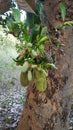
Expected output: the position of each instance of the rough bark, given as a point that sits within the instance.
(50, 110)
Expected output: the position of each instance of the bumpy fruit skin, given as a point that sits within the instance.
(24, 79)
(40, 81)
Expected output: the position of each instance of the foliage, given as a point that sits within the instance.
(67, 24)
(32, 56)
(63, 16)
(37, 17)
(63, 10)
(31, 49)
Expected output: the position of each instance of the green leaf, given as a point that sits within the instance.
(51, 65)
(24, 67)
(68, 23)
(26, 37)
(63, 10)
(42, 40)
(41, 48)
(34, 33)
(16, 14)
(60, 44)
(29, 75)
(44, 31)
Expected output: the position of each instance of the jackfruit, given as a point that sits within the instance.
(40, 80)
(24, 79)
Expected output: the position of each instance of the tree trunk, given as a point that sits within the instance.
(50, 110)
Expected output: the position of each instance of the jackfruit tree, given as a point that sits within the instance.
(45, 54)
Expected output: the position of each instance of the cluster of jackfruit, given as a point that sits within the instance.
(39, 77)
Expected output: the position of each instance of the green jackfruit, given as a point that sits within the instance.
(24, 79)
(40, 80)
(41, 84)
